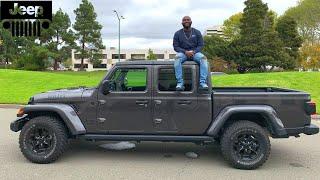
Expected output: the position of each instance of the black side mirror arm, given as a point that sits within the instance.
(105, 87)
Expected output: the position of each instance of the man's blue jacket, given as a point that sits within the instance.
(181, 43)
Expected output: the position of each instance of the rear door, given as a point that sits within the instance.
(175, 112)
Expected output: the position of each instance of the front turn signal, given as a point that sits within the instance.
(20, 112)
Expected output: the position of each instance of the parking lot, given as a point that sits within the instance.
(293, 158)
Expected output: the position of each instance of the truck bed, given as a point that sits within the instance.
(289, 104)
(252, 89)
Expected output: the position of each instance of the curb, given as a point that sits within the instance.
(316, 117)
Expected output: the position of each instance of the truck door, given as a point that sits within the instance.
(175, 112)
(127, 108)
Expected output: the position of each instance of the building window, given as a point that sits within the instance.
(105, 56)
(77, 56)
(160, 56)
(79, 65)
(138, 56)
(172, 56)
(100, 66)
(167, 80)
(115, 56)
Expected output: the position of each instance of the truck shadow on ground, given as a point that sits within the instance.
(145, 151)
(158, 152)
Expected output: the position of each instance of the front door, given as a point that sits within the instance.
(175, 112)
(127, 108)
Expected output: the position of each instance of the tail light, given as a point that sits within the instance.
(311, 108)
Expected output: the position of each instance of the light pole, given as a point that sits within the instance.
(119, 18)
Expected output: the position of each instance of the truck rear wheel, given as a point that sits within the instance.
(43, 139)
(245, 145)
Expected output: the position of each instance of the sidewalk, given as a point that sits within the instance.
(316, 117)
(11, 106)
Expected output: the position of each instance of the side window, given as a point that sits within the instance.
(167, 79)
(129, 79)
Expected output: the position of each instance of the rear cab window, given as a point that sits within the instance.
(167, 82)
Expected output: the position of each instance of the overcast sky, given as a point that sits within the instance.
(152, 23)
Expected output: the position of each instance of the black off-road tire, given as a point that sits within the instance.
(238, 136)
(58, 138)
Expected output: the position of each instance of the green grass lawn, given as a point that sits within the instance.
(17, 86)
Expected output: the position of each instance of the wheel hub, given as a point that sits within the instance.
(40, 140)
(246, 146)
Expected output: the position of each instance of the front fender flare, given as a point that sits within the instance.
(66, 112)
(267, 111)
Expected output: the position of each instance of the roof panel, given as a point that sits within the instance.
(149, 62)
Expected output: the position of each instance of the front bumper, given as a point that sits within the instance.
(17, 124)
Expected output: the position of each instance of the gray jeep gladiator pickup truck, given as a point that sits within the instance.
(137, 101)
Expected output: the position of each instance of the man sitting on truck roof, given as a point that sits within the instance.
(188, 43)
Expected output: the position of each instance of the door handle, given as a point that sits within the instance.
(184, 102)
(101, 101)
(157, 120)
(158, 102)
(142, 102)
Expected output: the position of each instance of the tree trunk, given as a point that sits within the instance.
(6, 63)
(82, 59)
(55, 65)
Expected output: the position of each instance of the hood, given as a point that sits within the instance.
(61, 96)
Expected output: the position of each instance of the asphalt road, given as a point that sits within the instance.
(293, 158)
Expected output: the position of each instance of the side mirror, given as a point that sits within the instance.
(105, 87)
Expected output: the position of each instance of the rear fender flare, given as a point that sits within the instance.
(267, 111)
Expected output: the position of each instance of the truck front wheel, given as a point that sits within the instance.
(43, 139)
(245, 145)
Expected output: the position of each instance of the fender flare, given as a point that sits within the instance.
(66, 113)
(267, 111)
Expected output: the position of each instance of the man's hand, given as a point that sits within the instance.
(189, 54)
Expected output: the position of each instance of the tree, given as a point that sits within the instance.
(34, 59)
(59, 38)
(287, 29)
(218, 53)
(8, 46)
(307, 16)
(87, 32)
(258, 45)
(310, 56)
(151, 55)
(214, 46)
(231, 26)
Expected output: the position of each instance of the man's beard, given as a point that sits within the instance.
(186, 26)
